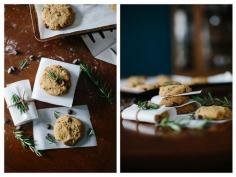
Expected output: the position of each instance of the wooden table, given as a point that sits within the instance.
(147, 148)
(102, 158)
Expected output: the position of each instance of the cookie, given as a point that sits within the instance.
(171, 90)
(113, 7)
(171, 82)
(68, 130)
(57, 16)
(174, 100)
(213, 113)
(55, 80)
(186, 109)
(198, 80)
(133, 81)
(147, 86)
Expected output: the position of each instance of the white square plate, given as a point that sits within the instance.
(63, 100)
(46, 116)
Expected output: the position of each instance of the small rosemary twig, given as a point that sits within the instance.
(147, 105)
(26, 142)
(90, 132)
(20, 104)
(55, 77)
(167, 123)
(51, 139)
(209, 100)
(56, 114)
(103, 88)
(23, 63)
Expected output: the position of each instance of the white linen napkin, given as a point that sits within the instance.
(20, 88)
(135, 113)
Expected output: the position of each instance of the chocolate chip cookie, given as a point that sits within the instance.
(213, 113)
(57, 16)
(171, 90)
(68, 130)
(55, 80)
(174, 100)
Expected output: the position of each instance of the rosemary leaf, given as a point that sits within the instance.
(90, 132)
(209, 100)
(20, 104)
(167, 123)
(104, 89)
(26, 142)
(147, 105)
(51, 139)
(23, 63)
(55, 77)
(56, 114)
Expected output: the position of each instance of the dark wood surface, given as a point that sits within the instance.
(207, 150)
(19, 32)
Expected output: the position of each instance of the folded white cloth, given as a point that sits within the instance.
(22, 89)
(135, 113)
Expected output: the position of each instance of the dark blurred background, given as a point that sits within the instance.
(176, 39)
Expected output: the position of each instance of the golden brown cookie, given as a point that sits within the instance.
(68, 130)
(213, 113)
(198, 80)
(57, 16)
(186, 108)
(55, 80)
(133, 81)
(113, 7)
(171, 90)
(147, 86)
(174, 100)
(161, 79)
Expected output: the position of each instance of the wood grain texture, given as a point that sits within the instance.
(19, 32)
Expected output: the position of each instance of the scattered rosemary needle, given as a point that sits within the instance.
(209, 100)
(23, 63)
(55, 77)
(104, 89)
(20, 104)
(147, 105)
(51, 139)
(56, 114)
(167, 123)
(27, 142)
(90, 132)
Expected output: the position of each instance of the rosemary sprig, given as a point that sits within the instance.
(147, 105)
(56, 114)
(51, 139)
(180, 122)
(27, 142)
(167, 123)
(23, 63)
(20, 104)
(55, 77)
(104, 89)
(90, 132)
(209, 100)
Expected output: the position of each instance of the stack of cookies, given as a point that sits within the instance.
(174, 96)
